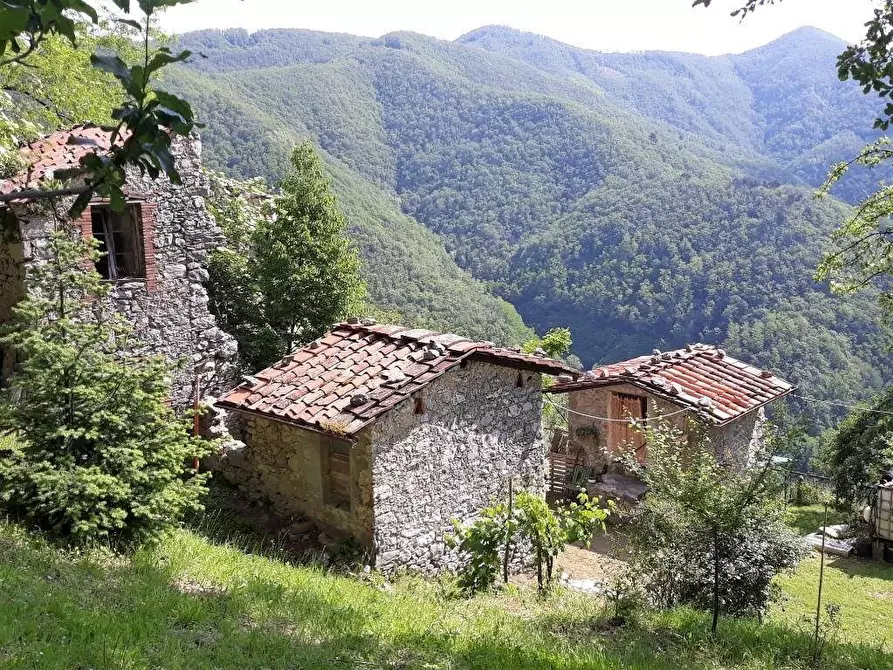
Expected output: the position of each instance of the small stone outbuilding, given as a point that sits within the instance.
(155, 253)
(699, 389)
(386, 434)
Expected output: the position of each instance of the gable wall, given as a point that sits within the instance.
(170, 309)
(478, 428)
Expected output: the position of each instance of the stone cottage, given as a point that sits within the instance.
(700, 389)
(155, 253)
(386, 433)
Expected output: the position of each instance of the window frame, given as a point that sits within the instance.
(135, 222)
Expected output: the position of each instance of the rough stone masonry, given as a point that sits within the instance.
(169, 307)
(478, 428)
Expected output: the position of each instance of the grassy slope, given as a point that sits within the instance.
(191, 604)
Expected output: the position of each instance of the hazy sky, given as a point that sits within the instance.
(615, 25)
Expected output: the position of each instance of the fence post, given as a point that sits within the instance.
(508, 538)
(818, 607)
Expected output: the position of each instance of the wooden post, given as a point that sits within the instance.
(508, 540)
(818, 606)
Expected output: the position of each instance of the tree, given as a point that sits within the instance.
(144, 121)
(289, 271)
(861, 449)
(97, 452)
(708, 536)
(556, 343)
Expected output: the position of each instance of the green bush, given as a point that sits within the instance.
(487, 544)
(97, 452)
(708, 536)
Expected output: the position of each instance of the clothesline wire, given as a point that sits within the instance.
(688, 409)
(602, 418)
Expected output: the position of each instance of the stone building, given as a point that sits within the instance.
(155, 253)
(385, 434)
(699, 389)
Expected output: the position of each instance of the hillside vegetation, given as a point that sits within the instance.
(644, 200)
(189, 603)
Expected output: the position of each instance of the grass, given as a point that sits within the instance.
(808, 518)
(191, 603)
(862, 588)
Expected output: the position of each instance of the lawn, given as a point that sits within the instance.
(191, 603)
(808, 518)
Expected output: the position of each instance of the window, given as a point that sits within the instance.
(120, 238)
(336, 472)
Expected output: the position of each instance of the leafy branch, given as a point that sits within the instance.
(147, 119)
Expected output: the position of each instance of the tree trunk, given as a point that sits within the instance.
(539, 569)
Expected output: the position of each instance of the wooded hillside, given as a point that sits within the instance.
(644, 199)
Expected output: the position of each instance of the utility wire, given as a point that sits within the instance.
(689, 409)
(837, 404)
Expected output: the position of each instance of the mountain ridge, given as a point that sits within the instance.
(640, 215)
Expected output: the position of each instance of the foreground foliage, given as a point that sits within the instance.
(146, 117)
(98, 453)
(186, 603)
(708, 535)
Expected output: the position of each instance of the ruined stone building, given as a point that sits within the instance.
(700, 389)
(155, 253)
(385, 434)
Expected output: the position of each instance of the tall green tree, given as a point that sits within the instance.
(289, 270)
(861, 449)
(97, 453)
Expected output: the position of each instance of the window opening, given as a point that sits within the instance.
(120, 239)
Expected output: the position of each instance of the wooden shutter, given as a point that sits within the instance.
(622, 436)
(337, 473)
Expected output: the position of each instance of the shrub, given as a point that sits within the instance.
(708, 536)
(480, 544)
(98, 453)
(528, 521)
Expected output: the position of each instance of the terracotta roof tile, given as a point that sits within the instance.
(314, 386)
(62, 150)
(687, 376)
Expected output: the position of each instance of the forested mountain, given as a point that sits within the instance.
(642, 199)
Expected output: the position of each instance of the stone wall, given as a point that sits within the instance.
(735, 443)
(593, 436)
(285, 465)
(169, 309)
(478, 428)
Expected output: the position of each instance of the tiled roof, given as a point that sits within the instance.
(57, 151)
(718, 387)
(346, 379)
